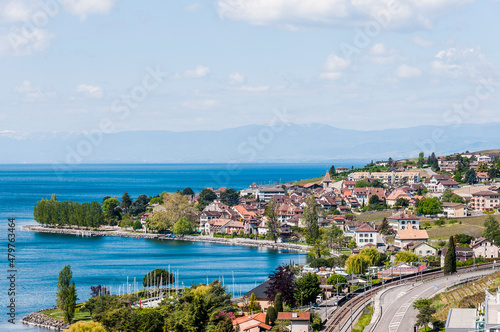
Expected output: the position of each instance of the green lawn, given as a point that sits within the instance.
(470, 225)
(364, 320)
(57, 314)
(313, 180)
(373, 216)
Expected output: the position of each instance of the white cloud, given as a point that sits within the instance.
(334, 67)
(405, 71)
(254, 88)
(198, 72)
(338, 12)
(380, 54)
(14, 11)
(236, 78)
(419, 41)
(455, 63)
(20, 41)
(193, 7)
(90, 90)
(203, 104)
(82, 8)
(31, 93)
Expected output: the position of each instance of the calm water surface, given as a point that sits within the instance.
(108, 260)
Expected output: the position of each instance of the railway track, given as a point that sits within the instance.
(347, 306)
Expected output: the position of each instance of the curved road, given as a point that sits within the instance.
(397, 303)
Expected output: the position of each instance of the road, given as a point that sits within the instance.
(397, 303)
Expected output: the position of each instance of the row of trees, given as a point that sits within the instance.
(53, 212)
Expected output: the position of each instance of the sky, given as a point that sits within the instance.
(77, 65)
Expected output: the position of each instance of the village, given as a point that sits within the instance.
(404, 211)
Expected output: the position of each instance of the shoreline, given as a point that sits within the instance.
(40, 320)
(152, 236)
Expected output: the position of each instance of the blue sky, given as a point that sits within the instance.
(67, 65)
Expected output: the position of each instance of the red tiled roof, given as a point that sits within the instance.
(365, 228)
(302, 316)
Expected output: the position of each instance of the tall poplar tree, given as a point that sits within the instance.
(311, 220)
(450, 259)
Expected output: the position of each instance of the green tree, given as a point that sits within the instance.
(137, 225)
(457, 199)
(157, 277)
(307, 288)
(401, 202)
(310, 217)
(374, 200)
(425, 313)
(126, 200)
(139, 206)
(492, 229)
(336, 279)
(183, 226)
(187, 191)
(176, 206)
(278, 303)
(332, 171)
(230, 197)
(420, 161)
(334, 238)
(450, 258)
(470, 176)
(352, 245)
(271, 316)
(372, 255)
(462, 238)
(430, 206)
(254, 304)
(205, 197)
(356, 264)
(273, 225)
(406, 256)
(384, 227)
(66, 294)
(447, 194)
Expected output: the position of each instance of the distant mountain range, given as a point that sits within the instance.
(282, 143)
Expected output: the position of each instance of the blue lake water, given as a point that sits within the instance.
(108, 260)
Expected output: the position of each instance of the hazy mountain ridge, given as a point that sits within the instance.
(253, 143)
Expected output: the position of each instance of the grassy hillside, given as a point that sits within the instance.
(471, 225)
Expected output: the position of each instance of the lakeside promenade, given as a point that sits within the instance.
(153, 236)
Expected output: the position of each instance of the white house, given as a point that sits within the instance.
(403, 220)
(364, 235)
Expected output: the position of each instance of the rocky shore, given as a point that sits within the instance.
(209, 239)
(40, 320)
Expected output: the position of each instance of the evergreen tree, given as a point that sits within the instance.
(66, 294)
(332, 171)
(126, 200)
(271, 316)
(450, 259)
(278, 303)
(470, 176)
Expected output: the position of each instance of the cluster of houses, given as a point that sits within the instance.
(344, 197)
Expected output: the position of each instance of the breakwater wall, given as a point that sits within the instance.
(40, 320)
(208, 239)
